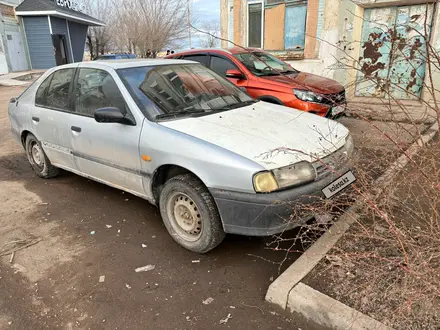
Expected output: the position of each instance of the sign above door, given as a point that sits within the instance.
(71, 4)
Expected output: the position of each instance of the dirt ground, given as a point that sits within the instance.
(54, 284)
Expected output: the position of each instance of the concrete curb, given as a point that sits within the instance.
(328, 311)
(284, 292)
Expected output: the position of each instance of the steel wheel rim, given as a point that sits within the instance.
(37, 155)
(184, 216)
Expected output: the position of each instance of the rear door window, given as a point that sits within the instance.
(40, 97)
(221, 65)
(203, 59)
(57, 95)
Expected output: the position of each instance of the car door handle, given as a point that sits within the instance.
(76, 129)
(36, 119)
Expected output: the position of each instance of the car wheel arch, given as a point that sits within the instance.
(165, 172)
(23, 137)
(270, 99)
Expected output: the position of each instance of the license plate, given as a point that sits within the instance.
(339, 184)
(338, 109)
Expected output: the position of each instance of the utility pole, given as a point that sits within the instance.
(189, 23)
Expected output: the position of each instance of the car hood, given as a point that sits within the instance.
(303, 80)
(268, 134)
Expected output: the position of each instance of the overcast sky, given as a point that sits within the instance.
(208, 10)
(204, 11)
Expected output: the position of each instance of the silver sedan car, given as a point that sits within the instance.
(177, 134)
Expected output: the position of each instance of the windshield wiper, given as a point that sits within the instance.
(288, 71)
(237, 105)
(182, 113)
(270, 74)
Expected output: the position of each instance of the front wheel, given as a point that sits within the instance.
(190, 214)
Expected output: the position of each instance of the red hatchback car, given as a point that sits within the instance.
(269, 79)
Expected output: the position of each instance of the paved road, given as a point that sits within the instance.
(54, 284)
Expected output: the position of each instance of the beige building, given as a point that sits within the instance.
(367, 45)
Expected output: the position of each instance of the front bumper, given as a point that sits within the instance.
(268, 214)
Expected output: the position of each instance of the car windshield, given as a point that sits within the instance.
(264, 64)
(170, 91)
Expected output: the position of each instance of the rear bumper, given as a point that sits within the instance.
(268, 214)
(16, 134)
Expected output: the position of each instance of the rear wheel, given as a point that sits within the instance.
(190, 214)
(38, 159)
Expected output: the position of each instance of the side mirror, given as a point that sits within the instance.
(112, 115)
(235, 74)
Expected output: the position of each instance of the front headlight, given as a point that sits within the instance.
(307, 96)
(265, 182)
(288, 176)
(294, 175)
(349, 145)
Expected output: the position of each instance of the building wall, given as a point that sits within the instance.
(274, 36)
(9, 23)
(78, 33)
(3, 51)
(39, 42)
(240, 20)
(224, 22)
(59, 26)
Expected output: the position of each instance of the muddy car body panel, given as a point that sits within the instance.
(224, 144)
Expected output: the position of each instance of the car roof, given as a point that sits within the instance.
(126, 63)
(232, 51)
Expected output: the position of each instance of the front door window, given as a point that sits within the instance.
(96, 89)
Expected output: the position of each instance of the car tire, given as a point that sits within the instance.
(38, 159)
(190, 215)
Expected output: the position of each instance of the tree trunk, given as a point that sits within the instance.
(91, 48)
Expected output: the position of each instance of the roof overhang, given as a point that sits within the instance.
(70, 17)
